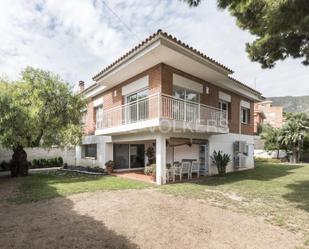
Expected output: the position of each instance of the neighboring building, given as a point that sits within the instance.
(172, 97)
(265, 113)
(258, 119)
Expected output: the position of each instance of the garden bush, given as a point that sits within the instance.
(5, 166)
(47, 163)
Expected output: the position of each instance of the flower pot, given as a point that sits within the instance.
(109, 169)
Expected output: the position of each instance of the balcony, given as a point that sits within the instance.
(165, 112)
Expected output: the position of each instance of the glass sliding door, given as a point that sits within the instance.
(188, 109)
(129, 156)
(137, 155)
(137, 108)
(192, 99)
(131, 109)
(121, 156)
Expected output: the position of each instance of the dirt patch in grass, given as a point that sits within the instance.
(133, 219)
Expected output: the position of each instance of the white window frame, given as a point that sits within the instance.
(227, 107)
(98, 114)
(185, 91)
(128, 118)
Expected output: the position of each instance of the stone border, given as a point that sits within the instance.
(83, 172)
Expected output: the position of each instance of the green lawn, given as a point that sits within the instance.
(45, 186)
(278, 192)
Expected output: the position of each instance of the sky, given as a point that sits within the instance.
(78, 38)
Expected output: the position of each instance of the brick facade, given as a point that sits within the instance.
(265, 113)
(89, 127)
(212, 98)
(161, 80)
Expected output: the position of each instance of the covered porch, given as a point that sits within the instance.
(177, 158)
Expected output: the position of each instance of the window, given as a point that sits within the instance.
(138, 109)
(188, 109)
(225, 106)
(90, 150)
(138, 95)
(185, 94)
(245, 115)
(99, 116)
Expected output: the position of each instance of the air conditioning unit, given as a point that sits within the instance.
(240, 161)
(240, 147)
(236, 148)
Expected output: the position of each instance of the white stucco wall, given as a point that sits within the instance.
(182, 152)
(102, 147)
(225, 143)
(38, 153)
(222, 142)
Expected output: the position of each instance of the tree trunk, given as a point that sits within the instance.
(278, 153)
(19, 165)
(297, 154)
(294, 156)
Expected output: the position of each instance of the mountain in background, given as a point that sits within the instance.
(292, 104)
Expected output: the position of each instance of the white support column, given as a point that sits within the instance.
(109, 152)
(160, 159)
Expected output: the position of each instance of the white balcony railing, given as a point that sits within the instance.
(165, 107)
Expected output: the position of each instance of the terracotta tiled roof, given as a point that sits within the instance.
(171, 38)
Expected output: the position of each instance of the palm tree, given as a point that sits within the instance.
(293, 134)
(271, 136)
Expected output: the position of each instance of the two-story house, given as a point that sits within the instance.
(167, 95)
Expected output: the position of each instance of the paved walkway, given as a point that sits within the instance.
(135, 175)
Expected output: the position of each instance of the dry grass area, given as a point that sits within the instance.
(277, 192)
(135, 218)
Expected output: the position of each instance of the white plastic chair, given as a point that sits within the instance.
(185, 169)
(195, 168)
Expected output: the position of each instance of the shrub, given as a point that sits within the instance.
(98, 169)
(150, 170)
(150, 153)
(47, 163)
(4, 166)
(221, 161)
(110, 163)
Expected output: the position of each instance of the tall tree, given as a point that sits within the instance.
(293, 134)
(281, 27)
(39, 109)
(271, 136)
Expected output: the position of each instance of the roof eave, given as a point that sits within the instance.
(151, 39)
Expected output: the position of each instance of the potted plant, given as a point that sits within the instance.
(150, 153)
(109, 165)
(221, 161)
(151, 170)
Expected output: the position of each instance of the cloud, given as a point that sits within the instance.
(77, 38)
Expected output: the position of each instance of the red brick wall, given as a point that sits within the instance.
(212, 99)
(89, 127)
(161, 80)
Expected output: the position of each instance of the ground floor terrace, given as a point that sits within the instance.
(174, 156)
